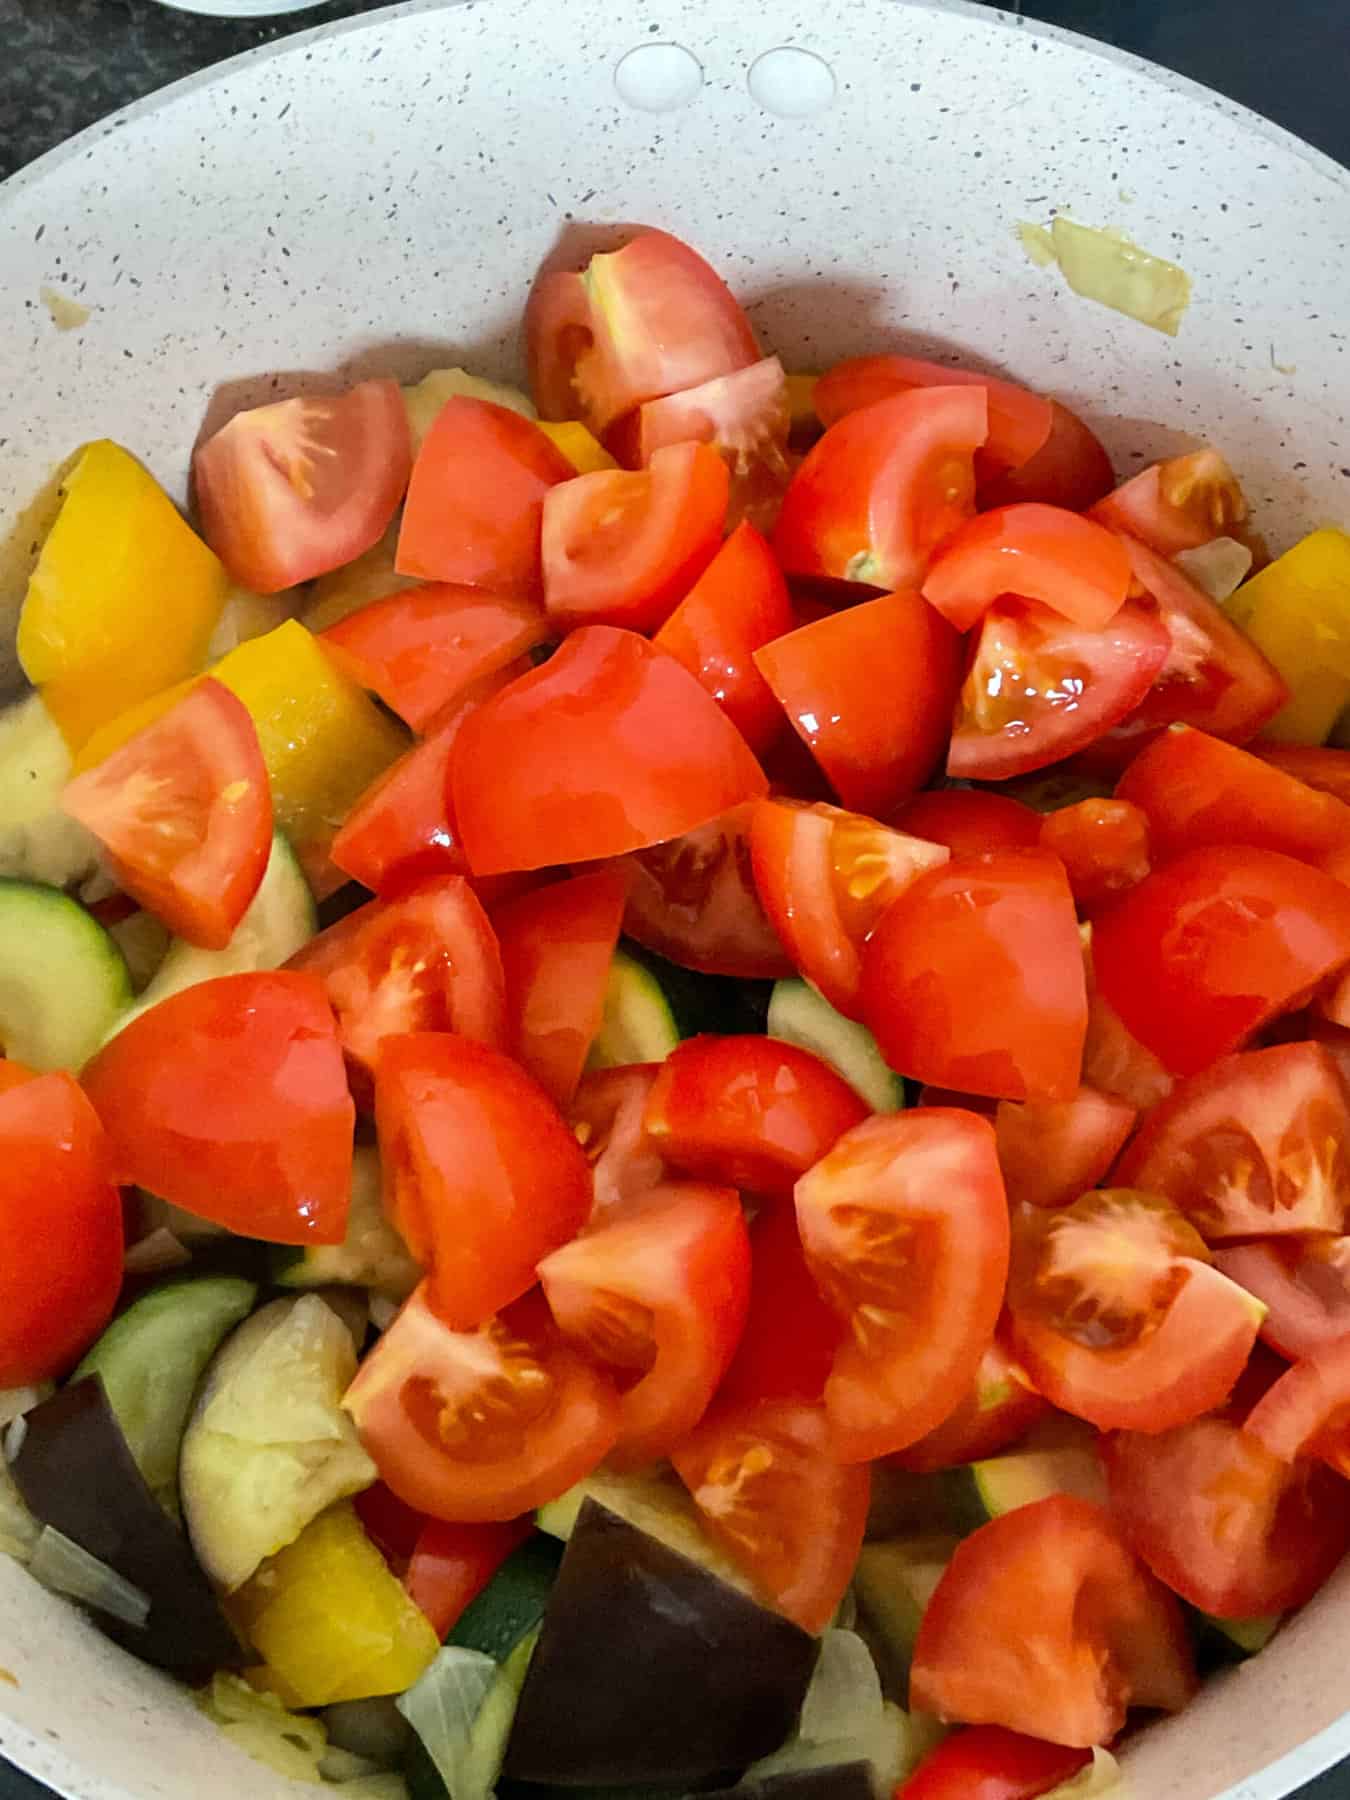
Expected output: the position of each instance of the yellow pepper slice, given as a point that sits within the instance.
(124, 597)
(581, 447)
(1297, 610)
(329, 1619)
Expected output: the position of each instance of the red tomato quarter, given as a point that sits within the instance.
(1326, 770)
(607, 747)
(1306, 1413)
(1104, 846)
(184, 811)
(869, 691)
(973, 979)
(970, 821)
(60, 1228)
(998, 1409)
(1019, 421)
(1304, 1284)
(1051, 1151)
(1078, 569)
(606, 1117)
(985, 1762)
(450, 1565)
(905, 1228)
(482, 1178)
(745, 417)
(288, 491)
(1179, 504)
(791, 1334)
(1071, 469)
(229, 1099)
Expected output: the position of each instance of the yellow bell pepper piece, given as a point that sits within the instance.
(329, 1619)
(801, 399)
(115, 733)
(124, 597)
(1297, 611)
(582, 449)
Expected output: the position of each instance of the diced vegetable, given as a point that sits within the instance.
(372, 1255)
(799, 1015)
(259, 1724)
(894, 1582)
(509, 1609)
(63, 980)
(462, 1709)
(844, 1719)
(39, 841)
(655, 1503)
(1297, 610)
(638, 1024)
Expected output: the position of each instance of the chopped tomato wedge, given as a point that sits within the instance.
(229, 1099)
(771, 1493)
(738, 604)
(451, 1564)
(1326, 770)
(482, 1178)
(557, 945)
(825, 877)
(751, 1111)
(1051, 1151)
(970, 821)
(60, 1226)
(1045, 553)
(1039, 688)
(869, 691)
(624, 547)
(607, 747)
(474, 1426)
(1045, 1622)
(184, 811)
(1104, 846)
(288, 491)
(905, 1228)
(694, 901)
(997, 1410)
(1208, 948)
(1071, 469)
(745, 417)
(1306, 1413)
(1019, 421)
(1256, 1145)
(649, 319)
(1118, 1316)
(884, 488)
(606, 1116)
(1179, 504)
(973, 978)
(1115, 1062)
(475, 503)
(791, 1334)
(1226, 1524)
(986, 1762)
(427, 961)
(1304, 1285)
(657, 1296)
(390, 1523)
(421, 648)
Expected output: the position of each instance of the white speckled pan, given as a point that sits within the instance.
(375, 196)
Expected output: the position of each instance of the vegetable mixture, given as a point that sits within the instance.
(675, 1114)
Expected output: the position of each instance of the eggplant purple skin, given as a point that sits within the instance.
(649, 1669)
(76, 1473)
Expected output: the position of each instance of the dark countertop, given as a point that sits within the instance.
(69, 62)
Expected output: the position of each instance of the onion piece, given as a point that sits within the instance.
(15, 1402)
(152, 1255)
(61, 1564)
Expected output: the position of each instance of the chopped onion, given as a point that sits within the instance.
(15, 1402)
(11, 1438)
(383, 1311)
(1107, 267)
(1219, 567)
(153, 1254)
(66, 1567)
(19, 1530)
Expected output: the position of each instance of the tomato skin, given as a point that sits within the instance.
(451, 1564)
(1208, 948)
(884, 488)
(475, 503)
(480, 1426)
(606, 1119)
(1019, 421)
(1326, 770)
(1044, 1621)
(1038, 687)
(745, 417)
(1104, 846)
(390, 1523)
(1198, 790)
(1178, 504)
(1253, 1146)
(1000, 1408)
(607, 747)
(229, 1099)
(1114, 1061)
(624, 547)
(482, 1178)
(970, 821)
(973, 978)
(1222, 1521)
(1304, 1284)
(649, 319)
(738, 604)
(1071, 469)
(1078, 569)
(184, 811)
(750, 1111)
(421, 648)
(986, 1762)
(810, 1510)
(60, 1227)
(825, 877)
(1051, 1151)
(291, 490)
(557, 945)
(905, 1228)
(660, 1294)
(1306, 1413)
(869, 691)
(791, 1333)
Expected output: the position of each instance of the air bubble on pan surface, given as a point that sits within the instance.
(658, 77)
(791, 82)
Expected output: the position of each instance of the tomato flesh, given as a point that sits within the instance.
(1045, 553)
(606, 1116)
(1019, 421)
(970, 821)
(1179, 504)
(1104, 846)
(999, 1409)
(451, 1564)
(1304, 1284)
(1051, 1151)
(1071, 469)
(791, 1334)
(745, 417)
(987, 1762)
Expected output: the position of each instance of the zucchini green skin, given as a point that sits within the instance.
(63, 980)
(801, 1016)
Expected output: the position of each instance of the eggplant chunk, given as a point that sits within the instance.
(76, 1472)
(834, 1781)
(650, 1669)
